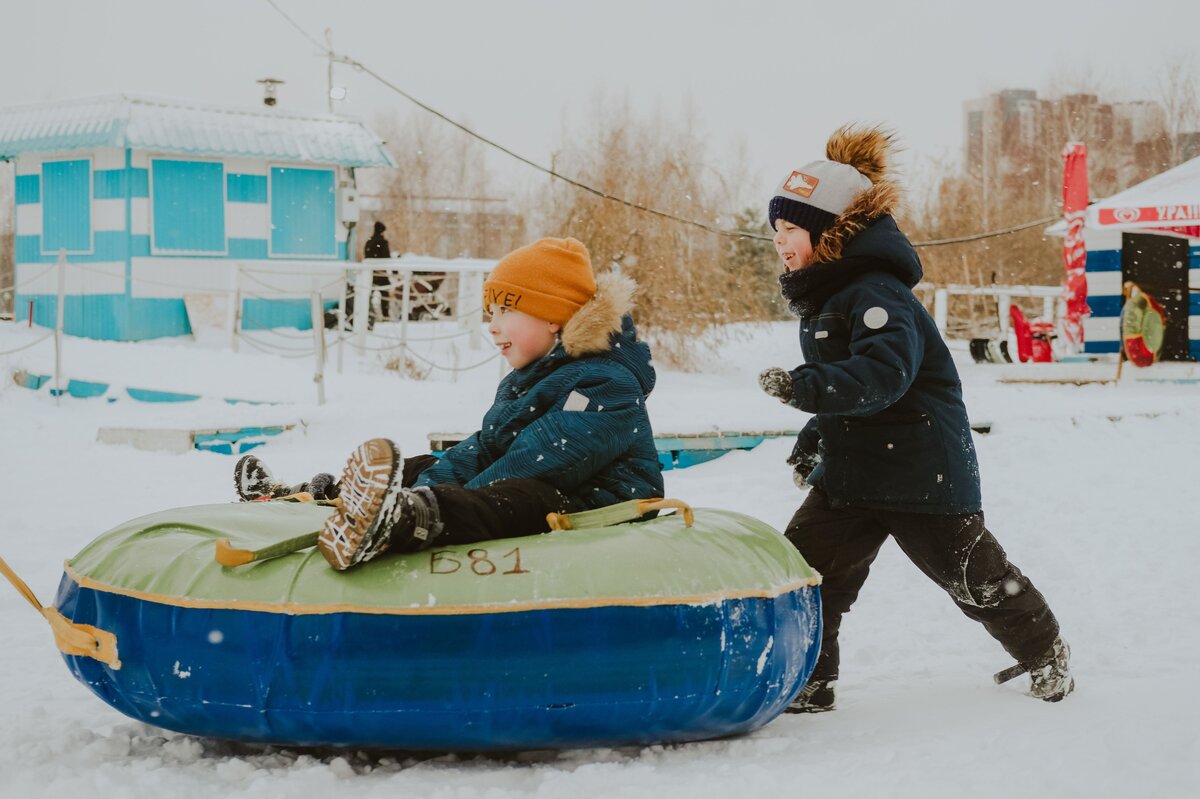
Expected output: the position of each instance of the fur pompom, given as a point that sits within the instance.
(865, 149)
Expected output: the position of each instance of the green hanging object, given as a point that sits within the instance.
(1143, 323)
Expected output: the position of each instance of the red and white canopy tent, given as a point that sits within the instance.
(1168, 202)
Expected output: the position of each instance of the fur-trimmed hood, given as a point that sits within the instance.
(588, 331)
(601, 330)
(868, 150)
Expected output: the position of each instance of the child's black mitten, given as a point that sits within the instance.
(802, 464)
(323, 486)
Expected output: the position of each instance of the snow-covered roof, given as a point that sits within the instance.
(1171, 198)
(180, 126)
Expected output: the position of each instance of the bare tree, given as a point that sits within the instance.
(1179, 94)
(440, 199)
(689, 280)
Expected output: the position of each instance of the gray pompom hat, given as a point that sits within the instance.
(816, 194)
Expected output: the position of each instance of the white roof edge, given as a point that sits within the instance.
(139, 98)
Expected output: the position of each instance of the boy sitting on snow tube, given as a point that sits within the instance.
(568, 430)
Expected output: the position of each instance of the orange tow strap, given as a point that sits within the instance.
(72, 639)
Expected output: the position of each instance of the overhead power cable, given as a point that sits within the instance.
(988, 235)
(737, 234)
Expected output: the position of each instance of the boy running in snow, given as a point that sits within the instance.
(888, 450)
(567, 431)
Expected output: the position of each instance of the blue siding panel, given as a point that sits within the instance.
(189, 206)
(110, 317)
(139, 246)
(111, 245)
(247, 188)
(302, 212)
(107, 246)
(66, 206)
(28, 189)
(139, 182)
(109, 184)
(28, 250)
(112, 184)
(265, 314)
(1101, 347)
(247, 248)
(1104, 261)
(1106, 306)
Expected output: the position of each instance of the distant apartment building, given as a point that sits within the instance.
(1014, 135)
(1000, 129)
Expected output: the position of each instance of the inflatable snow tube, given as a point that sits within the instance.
(639, 633)
(1143, 322)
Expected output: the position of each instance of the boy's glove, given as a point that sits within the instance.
(776, 382)
(802, 466)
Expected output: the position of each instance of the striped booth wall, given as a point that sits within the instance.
(1101, 330)
(140, 230)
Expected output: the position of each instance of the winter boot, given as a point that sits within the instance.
(817, 697)
(376, 512)
(1050, 675)
(252, 481)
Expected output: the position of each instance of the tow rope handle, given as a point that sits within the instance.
(72, 639)
(228, 555)
(615, 514)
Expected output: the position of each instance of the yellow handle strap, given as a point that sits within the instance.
(72, 639)
(615, 514)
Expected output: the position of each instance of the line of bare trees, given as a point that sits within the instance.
(692, 281)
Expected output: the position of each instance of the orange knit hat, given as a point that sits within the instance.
(550, 279)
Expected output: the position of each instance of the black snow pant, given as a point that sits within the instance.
(505, 509)
(955, 551)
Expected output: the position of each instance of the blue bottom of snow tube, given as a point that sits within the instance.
(545, 678)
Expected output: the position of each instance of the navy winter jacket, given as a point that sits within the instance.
(890, 430)
(577, 422)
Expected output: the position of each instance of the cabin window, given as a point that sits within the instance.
(188, 206)
(303, 205)
(67, 206)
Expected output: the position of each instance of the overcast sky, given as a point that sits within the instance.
(775, 78)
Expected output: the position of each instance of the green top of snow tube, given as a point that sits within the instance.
(168, 557)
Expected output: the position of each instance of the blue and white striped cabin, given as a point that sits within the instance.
(1150, 228)
(1104, 280)
(153, 199)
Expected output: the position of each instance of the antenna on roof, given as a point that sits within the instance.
(269, 85)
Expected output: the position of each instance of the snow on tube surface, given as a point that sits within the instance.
(639, 633)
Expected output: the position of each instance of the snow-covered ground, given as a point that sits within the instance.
(1090, 488)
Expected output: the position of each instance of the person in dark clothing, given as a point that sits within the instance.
(568, 429)
(377, 247)
(888, 450)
